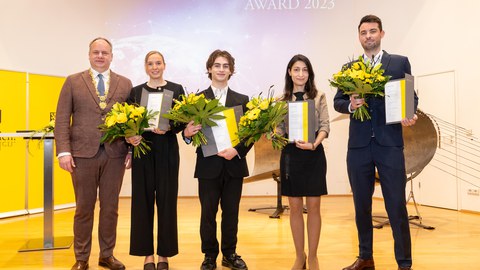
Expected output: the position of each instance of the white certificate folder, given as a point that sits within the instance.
(301, 121)
(224, 134)
(157, 102)
(399, 99)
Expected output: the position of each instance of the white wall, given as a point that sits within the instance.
(51, 37)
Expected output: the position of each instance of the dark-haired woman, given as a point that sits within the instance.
(303, 164)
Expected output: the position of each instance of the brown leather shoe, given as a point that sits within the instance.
(405, 268)
(80, 265)
(361, 264)
(111, 263)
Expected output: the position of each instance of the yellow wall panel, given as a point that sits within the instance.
(12, 150)
(43, 96)
(21, 169)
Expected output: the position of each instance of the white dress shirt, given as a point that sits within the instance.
(220, 94)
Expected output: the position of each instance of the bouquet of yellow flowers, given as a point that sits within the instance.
(362, 78)
(199, 109)
(263, 117)
(126, 120)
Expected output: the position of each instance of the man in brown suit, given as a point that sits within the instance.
(84, 101)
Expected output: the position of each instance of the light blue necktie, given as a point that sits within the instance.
(101, 85)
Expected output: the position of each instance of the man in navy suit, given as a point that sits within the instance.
(220, 177)
(373, 144)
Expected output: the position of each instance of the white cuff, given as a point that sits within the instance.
(62, 154)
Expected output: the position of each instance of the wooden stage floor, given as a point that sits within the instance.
(264, 243)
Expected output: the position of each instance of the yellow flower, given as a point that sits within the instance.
(111, 120)
(264, 105)
(192, 98)
(253, 114)
(250, 105)
(138, 111)
(337, 75)
(189, 98)
(121, 118)
(116, 107)
(243, 121)
(253, 103)
(358, 74)
(130, 109)
(362, 65)
(356, 66)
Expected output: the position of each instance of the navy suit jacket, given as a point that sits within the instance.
(212, 166)
(360, 133)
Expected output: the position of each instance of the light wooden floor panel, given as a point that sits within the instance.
(264, 243)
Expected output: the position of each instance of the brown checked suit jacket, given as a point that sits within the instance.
(79, 115)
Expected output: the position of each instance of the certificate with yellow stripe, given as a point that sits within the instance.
(399, 99)
(224, 134)
(301, 121)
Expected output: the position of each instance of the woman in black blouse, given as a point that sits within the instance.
(155, 177)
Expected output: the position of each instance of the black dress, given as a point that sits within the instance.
(155, 182)
(303, 172)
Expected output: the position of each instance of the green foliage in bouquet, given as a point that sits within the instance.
(198, 109)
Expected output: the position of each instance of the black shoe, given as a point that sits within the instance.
(208, 263)
(162, 266)
(149, 266)
(234, 262)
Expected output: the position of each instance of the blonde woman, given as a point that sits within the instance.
(155, 178)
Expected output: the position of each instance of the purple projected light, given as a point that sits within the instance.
(261, 35)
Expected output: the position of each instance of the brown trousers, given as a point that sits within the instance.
(105, 175)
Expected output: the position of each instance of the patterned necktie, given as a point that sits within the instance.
(101, 85)
(299, 95)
